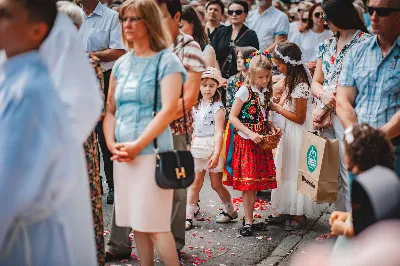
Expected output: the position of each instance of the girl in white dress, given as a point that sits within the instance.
(297, 112)
(209, 119)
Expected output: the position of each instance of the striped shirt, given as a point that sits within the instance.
(191, 56)
(377, 80)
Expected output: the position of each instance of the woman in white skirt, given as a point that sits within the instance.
(130, 128)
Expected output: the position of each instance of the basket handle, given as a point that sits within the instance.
(271, 126)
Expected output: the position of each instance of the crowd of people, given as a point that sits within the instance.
(86, 81)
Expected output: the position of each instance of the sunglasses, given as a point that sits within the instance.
(381, 11)
(304, 20)
(318, 15)
(237, 12)
(292, 17)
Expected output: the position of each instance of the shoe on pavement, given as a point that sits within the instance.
(189, 224)
(114, 257)
(224, 217)
(246, 230)
(110, 196)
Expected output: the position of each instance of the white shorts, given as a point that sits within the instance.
(201, 165)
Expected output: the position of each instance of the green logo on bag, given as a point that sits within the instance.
(312, 158)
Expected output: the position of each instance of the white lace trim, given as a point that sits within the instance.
(302, 90)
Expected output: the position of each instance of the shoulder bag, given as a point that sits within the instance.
(174, 169)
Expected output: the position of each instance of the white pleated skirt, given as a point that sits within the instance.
(139, 202)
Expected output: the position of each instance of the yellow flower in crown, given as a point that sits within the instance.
(265, 53)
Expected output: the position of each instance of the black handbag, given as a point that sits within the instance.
(174, 169)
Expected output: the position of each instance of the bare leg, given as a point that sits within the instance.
(194, 189)
(145, 248)
(217, 186)
(248, 204)
(165, 246)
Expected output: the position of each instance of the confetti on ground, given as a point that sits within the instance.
(257, 215)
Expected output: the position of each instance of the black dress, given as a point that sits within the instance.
(223, 47)
(212, 34)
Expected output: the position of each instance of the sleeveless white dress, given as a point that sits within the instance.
(285, 198)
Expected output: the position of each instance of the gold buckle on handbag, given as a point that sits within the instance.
(181, 173)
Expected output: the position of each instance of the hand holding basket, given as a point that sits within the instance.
(271, 140)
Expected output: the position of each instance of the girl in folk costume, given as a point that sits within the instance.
(235, 82)
(296, 110)
(253, 168)
(209, 118)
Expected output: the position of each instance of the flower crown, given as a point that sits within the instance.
(253, 54)
(287, 59)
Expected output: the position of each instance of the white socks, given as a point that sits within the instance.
(190, 209)
(228, 206)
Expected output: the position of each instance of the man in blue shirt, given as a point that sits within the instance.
(369, 85)
(270, 24)
(40, 181)
(100, 34)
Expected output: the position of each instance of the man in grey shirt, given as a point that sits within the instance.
(100, 34)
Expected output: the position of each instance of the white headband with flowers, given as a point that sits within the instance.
(287, 59)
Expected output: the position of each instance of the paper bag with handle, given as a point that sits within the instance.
(318, 168)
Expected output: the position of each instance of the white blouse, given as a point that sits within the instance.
(204, 118)
(309, 42)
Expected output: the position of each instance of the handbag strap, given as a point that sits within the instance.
(155, 143)
(230, 51)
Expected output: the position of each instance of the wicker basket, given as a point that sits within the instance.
(270, 141)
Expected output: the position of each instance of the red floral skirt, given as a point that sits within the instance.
(253, 168)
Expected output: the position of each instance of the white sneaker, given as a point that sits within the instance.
(189, 224)
(224, 217)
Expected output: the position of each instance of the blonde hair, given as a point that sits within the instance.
(72, 11)
(258, 63)
(152, 17)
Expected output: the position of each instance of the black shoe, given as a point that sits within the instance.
(114, 257)
(246, 230)
(110, 196)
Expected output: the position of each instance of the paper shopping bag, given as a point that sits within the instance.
(318, 168)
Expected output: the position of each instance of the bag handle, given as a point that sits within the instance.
(155, 143)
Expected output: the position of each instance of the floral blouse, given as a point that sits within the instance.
(232, 86)
(332, 63)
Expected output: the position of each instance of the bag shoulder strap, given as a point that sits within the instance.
(230, 51)
(155, 143)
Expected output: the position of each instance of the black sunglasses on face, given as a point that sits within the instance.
(292, 17)
(318, 15)
(304, 20)
(237, 12)
(381, 11)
